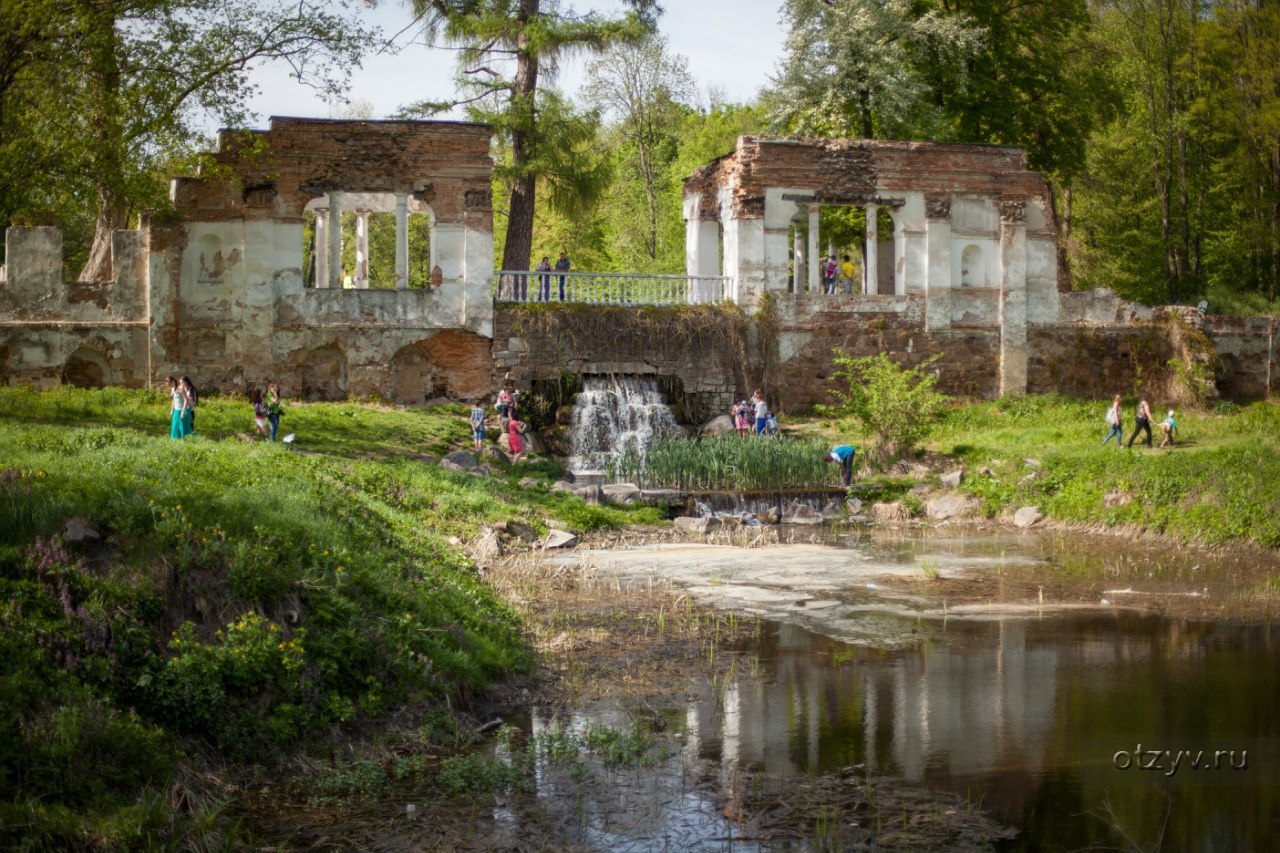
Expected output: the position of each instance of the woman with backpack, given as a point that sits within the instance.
(1113, 420)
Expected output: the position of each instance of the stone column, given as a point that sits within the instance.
(938, 262)
(1013, 301)
(871, 275)
(322, 247)
(362, 249)
(797, 261)
(334, 233)
(402, 241)
(815, 268)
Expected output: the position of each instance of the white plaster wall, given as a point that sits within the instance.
(938, 245)
(477, 307)
(988, 272)
(1042, 280)
(778, 216)
(913, 248)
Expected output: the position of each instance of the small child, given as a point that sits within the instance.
(260, 412)
(515, 438)
(1167, 426)
(477, 426)
(770, 424)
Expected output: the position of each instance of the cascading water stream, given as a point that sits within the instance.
(613, 413)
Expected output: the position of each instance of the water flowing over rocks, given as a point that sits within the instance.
(613, 414)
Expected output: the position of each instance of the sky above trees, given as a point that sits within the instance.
(733, 46)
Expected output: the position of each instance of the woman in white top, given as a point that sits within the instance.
(762, 411)
(177, 422)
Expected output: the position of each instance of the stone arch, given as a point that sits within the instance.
(415, 378)
(464, 360)
(324, 374)
(86, 368)
(972, 267)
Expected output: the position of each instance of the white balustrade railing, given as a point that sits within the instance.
(608, 288)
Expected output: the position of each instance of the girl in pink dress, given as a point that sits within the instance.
(515, 436)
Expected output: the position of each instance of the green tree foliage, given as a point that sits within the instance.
(870, 69)
(507, 49)
(643, 88)
(99, 99)
(897, 405)
(1183, 195)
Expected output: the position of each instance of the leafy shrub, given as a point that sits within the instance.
(897, 405)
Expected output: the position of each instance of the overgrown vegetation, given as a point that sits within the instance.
(726, 462)
(230, 595)
(896, 405)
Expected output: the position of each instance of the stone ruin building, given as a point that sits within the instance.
(218, 291)
(962, 253)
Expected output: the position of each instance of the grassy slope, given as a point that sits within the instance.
(244, 595)
(1221, 483)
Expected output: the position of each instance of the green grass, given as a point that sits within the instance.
(1220, 483)
(244, 598)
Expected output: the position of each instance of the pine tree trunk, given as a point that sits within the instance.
(518, 248)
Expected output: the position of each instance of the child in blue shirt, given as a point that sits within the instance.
(477, 426)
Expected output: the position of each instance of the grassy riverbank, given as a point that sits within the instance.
(233, 598)
(1219, 484)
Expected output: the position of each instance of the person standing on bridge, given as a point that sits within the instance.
(544, 281)
(562, 265)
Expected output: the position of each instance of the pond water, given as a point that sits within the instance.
(1080, 722)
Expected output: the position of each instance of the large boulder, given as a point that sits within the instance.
(491, 452)
(949, 506)
(590, 493)
(559, 539)
(1027, 516)
(620, 493)
(801, 513)
(952, 479)
(662, 497)
(563, 486)
(700, 525)
(769, 515)
(890, 513)
(460, 460)
(719, 425)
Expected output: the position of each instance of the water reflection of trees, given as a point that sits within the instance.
(1026, 716)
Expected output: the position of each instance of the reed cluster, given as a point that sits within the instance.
(725, 462)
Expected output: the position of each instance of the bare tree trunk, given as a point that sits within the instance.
(519, 243)
(107, 160)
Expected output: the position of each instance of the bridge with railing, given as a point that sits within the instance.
(600, 288)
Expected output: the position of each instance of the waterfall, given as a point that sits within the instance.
(613, 413)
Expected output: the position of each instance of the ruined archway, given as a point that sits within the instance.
(324, 375)
(415, 377)
(86, 368)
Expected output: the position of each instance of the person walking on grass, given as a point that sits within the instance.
(260, 413)
(1167, 426)
(843, 454)
(178, 415)
(275, 407)
(762, 411)
(189, 414)
(1113, 420)
(1142, 422)
(477, 426)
